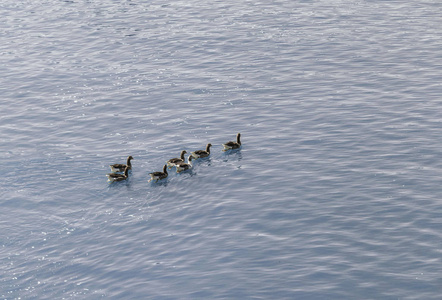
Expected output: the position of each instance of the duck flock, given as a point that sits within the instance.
(120, 172)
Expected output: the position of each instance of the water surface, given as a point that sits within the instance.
(335, 193)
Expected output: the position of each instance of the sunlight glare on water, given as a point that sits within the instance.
(334, 194)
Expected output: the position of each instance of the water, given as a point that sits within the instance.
(335, 193)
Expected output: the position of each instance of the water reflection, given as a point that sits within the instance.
(234, 153)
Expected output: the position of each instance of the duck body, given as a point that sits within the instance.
(159, 175)
(173, 161)
(202, 153)
(118, 177)
(122, 167)
(233, 145)
(180, 167)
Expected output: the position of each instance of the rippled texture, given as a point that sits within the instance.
(335, 193)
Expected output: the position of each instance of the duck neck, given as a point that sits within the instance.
(238, 139)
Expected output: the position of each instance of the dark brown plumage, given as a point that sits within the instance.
(159, 175)
(118, 177)
(202, 153)
(182, 166)
(233, 145)
(173, 161)
(122, 167)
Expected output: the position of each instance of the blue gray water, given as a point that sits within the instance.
(335, 194)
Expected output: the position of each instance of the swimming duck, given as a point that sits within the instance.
(118, 177)
(182, 166)
(158, 175)
(233, 145)
(122, 167)
(173, 161)
(202, 153)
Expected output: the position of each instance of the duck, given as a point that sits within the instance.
(122, 167)
(118, 177)
(202, 153)
(159, 175)
(233, 145)
(182, 166)
(173, 161)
